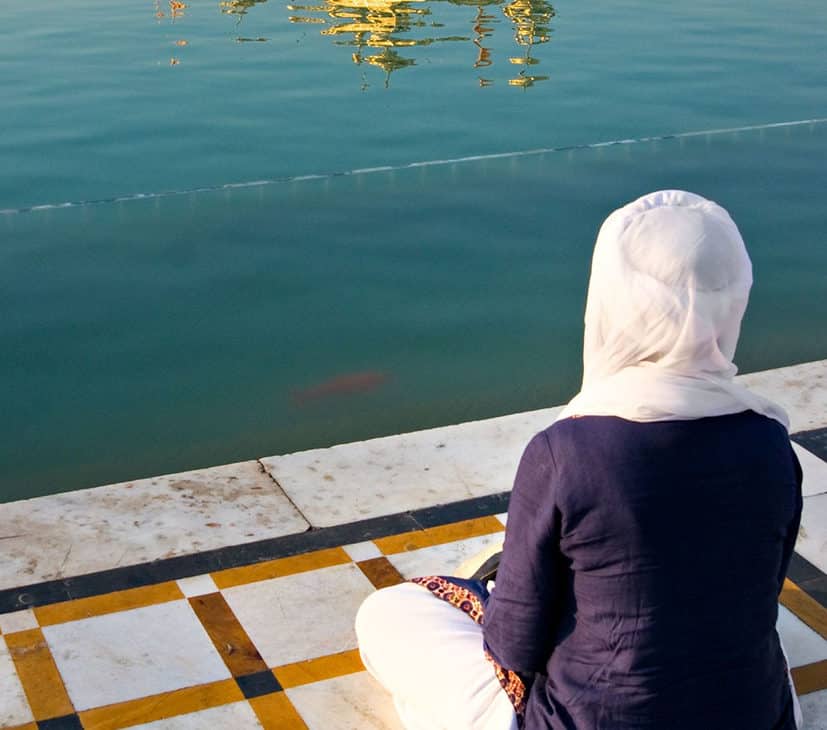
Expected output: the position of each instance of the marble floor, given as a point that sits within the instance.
(262, 646)
(204, 600)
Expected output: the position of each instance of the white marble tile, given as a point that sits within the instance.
(136, 653)
(814, 710)
(443, 559)
(352, 702)
(62, 535)
(362, 551)
(14, 708)
(397, 473)
(801, 389)
(502, 517)
(17, 621)
(198, 585)
(815, 472)
(803, 645)
(301, 616)
(236, 715)
(812, 535)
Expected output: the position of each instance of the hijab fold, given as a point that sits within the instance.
(669, 286)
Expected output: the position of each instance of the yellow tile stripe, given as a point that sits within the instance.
(438, 535)
(315, 670)
(810, 611)
(29, 726)
(38, 674)
(227, 634)
(381, 572)
(159, 707)
(280, 567)
(276, 712)
(810, 677)
(58, 613)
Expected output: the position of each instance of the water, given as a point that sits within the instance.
(152, 336)
(90, 106)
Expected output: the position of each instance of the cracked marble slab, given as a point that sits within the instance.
(396, 473)
(69, 534)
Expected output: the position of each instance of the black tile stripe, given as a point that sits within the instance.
(467, 509)
(808, 578)
(258, 684)
(66, 722)
(185, 566)
(802, 570)
(814, 441)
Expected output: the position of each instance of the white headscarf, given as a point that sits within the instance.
(669, 286)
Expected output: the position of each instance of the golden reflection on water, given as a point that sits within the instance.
(380, 30)
(238, 7)
(387, 25)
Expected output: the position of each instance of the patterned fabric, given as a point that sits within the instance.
(460, 593)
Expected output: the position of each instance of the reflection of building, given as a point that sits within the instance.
(373, 24)
(378, 30)
(483, 28)
(176, 11)
(238, 7)
(390, 25)
(531, 20)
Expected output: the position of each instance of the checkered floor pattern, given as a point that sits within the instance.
(268, 645)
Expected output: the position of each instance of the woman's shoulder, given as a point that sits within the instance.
(585, 427)
(612, 437)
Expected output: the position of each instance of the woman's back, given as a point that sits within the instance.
(649, 529)
(657, 551)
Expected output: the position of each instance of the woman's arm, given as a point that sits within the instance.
(519, 617)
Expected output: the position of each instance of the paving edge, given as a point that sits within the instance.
(808, 577)
(234, 556)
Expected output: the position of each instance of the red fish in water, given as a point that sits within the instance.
(346, 384)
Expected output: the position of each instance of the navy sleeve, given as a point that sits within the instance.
(792, 529)
(518, 625)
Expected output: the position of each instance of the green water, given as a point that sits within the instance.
(90, 106)
(154, 336)
(145, 337)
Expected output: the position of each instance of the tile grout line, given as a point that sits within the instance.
(269, 474)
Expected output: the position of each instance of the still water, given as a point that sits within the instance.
(101, 98)
(203, 327)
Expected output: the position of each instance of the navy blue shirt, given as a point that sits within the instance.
(641, 572)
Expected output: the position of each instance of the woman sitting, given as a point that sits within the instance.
(649, 528)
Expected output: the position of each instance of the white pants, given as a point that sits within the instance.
(429, 656)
